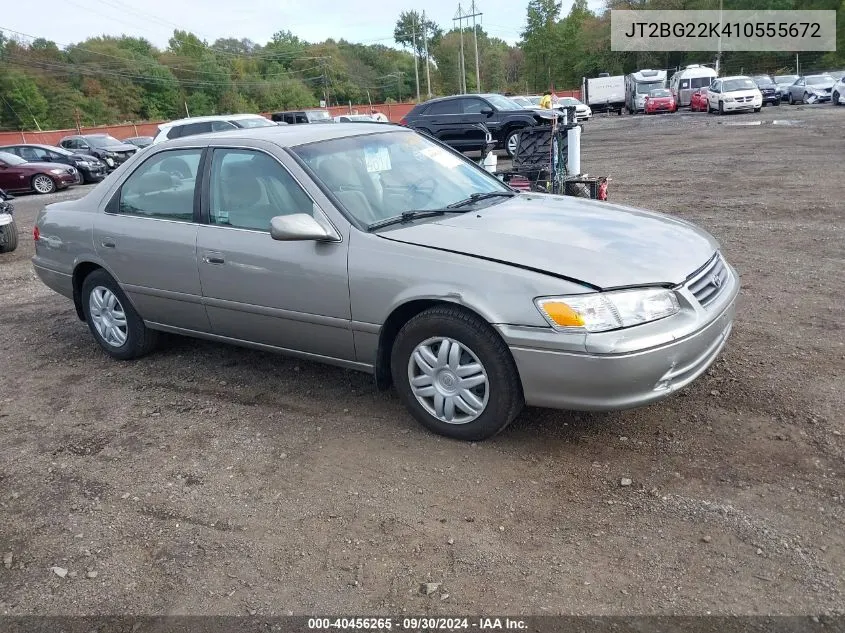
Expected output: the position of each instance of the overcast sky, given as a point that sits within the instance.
(69, 21)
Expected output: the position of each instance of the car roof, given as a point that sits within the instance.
(210, 117)
(734, 77)
(42, 146)
(288, 135)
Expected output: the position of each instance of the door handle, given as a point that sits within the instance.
(213, 258)
(108, 242)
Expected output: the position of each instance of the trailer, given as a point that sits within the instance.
(548, 160)
(639, 84)
(685, 82)
(604, 93)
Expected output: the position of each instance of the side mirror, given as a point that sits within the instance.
(488, 111)
(298, 227)
(46, 159)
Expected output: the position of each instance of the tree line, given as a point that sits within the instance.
(115, 79)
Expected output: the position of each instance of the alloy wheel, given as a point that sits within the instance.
(43, 184)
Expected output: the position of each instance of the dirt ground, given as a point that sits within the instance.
(207, 479)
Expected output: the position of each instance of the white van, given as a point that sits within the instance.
(685, 82)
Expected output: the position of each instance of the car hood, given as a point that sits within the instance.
(824, 86)
(595, 243)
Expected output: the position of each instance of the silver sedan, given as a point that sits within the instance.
(375, 248)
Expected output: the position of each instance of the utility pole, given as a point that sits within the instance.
(473, 14)
(719, 54)
(416, 65)
(425, 49)
(463, 73)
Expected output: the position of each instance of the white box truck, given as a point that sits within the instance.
(604, 93)
(639, 84)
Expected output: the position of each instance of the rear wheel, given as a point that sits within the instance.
(8, 237)
(43, 183)
(117, 328)
(455, 374)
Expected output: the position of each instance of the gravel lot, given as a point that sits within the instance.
(211, 479)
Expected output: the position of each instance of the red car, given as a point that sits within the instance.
(16, 174)
(660, 100)
(698, 101)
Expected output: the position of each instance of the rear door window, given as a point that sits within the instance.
(162, 187)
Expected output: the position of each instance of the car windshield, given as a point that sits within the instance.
(660, 93)
(11, 159)
(103, 140)
(732, 85)
(57, 150)
(819, 80)
(646, 88)
(763, 81)
(380, 176)
(258, 121)
(318, 115)
(502, 103)
(521, 101)
(568, 101)
(786, 79)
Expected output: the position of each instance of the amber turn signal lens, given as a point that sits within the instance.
(562, 314)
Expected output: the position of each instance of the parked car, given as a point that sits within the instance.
(401, 258)
(659, 100)
(212, 123)
(838, 92)
(19, 175)
(8, 226)
(582, 110)
(525, 102)
(90, 168)
(783, 82)
(295, 117)
(698, 101)
(450, 119)
(811, 88)
(734, 94)
(354, 118)
(102, 146)
(768, 88)
(140, 141)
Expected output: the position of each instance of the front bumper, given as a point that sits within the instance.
(611, 381)
(736, 106)
(66, 179)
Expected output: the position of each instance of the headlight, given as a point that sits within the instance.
(108, 153)
(82, 163)
(602, 311)
(726, 99)
(58, 172)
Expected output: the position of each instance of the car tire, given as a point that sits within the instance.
(113, 322)
(758, 109)
(495, 396)
(511, 139)
(790, 99)
(835, 98)
(9, 234)
(721, 108)
(777, 103)
(42, 183)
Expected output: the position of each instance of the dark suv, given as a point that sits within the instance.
(455, 120)
(768, 88)
(104, 146)
(292, 117)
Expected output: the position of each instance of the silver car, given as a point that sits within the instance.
(378, 249)
(810, 89)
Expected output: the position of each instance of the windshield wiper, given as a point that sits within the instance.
(408, 216)
(481, 196)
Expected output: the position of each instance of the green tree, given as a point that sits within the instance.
(23, 104)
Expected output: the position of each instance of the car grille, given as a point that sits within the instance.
(743, 99)
(707, 283)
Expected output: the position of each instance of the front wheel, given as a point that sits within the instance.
(835, 98)
(511, 143)
(790, 99)
(117, 328)
(8, 237)
(757, 109)
(721, 108)
(43, 184)
(455, 374)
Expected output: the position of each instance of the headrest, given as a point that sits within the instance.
(154, 182)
